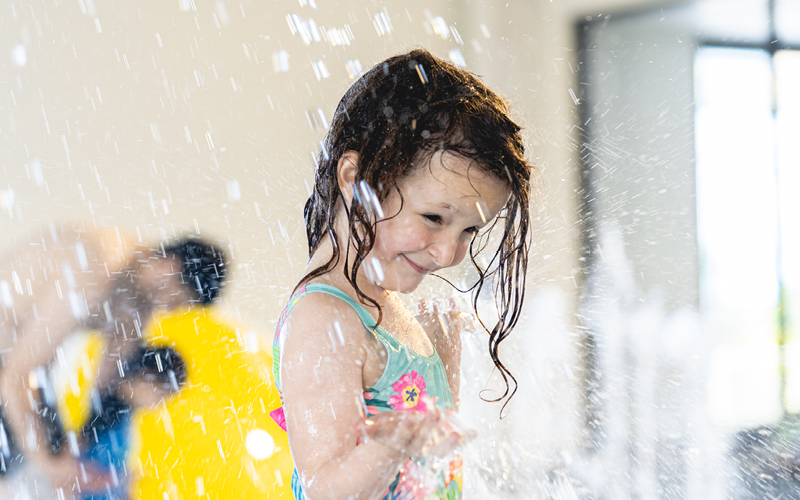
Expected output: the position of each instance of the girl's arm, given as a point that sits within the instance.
(322, 381)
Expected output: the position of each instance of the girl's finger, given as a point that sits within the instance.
(446, 446)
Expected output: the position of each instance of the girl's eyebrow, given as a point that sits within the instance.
(449, 207)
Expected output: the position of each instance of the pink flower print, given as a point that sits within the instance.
(371, 410)
(413, 483)
(300, 291)
(279, 417)
(411, 393)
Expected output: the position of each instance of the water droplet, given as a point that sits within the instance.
(19, 56)
(280, 61)
(482, 210)
(259, 444)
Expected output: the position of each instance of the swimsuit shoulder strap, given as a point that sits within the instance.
(365, 317)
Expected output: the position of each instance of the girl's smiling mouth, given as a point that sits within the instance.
(415, 267)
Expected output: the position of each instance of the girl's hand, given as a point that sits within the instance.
(443, 322)
(455, 436)
(440, 314)
(411, 433)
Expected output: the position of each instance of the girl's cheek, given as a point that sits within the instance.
(417, 240)
(410, 237)
(461, 252)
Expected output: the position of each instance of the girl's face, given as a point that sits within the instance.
(444, 204)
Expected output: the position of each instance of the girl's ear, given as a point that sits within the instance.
(346, 175)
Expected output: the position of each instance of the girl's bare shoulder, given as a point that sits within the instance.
(323, 322)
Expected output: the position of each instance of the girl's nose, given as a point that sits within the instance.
(446, 252)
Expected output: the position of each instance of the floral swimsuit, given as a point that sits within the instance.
(411, 382)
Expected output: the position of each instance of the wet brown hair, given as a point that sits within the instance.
(396, 116)
(203, 267)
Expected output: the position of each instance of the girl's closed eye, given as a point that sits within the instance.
(436, 219)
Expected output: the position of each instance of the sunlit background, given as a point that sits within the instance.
(659, 353)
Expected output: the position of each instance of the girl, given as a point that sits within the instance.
(420, 157)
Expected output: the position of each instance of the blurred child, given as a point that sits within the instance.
(66, 280)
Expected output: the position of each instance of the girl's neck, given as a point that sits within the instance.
(337, 278)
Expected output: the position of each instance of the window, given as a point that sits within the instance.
(748, 187)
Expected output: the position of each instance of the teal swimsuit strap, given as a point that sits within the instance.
(365, 317)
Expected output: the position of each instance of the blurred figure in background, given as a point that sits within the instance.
(65, 281)
(103, 439)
